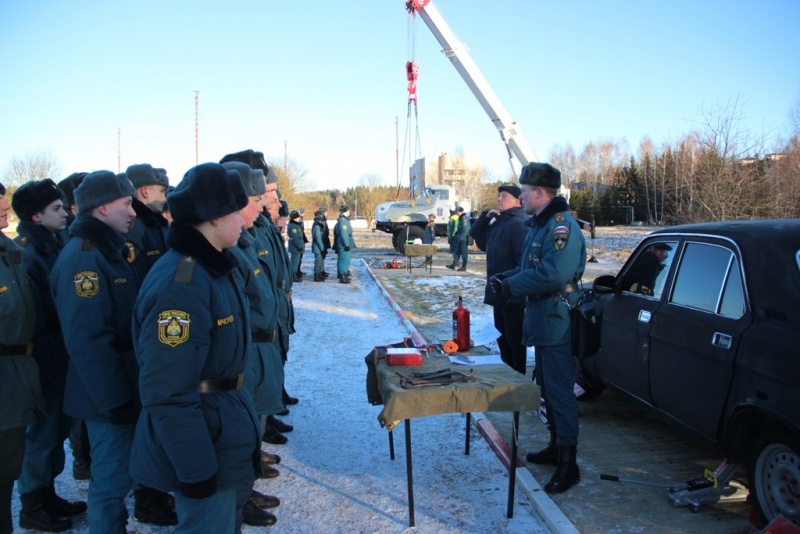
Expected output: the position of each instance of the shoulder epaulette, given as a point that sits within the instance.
(22, 241)
(87, 245)
(185, 271)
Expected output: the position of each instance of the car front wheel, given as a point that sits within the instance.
(774, 475)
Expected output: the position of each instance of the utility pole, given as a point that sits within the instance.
(119, 150)
(196, 127)
(397, 150)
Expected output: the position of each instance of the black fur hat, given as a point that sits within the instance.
(32, 197)
(207, 191)
(2, 189)
(541, 175)
(252, 179)
(283, 211)
(68, 186)
(101, 187)
(511, 189)
(143, 174)
(255, 160)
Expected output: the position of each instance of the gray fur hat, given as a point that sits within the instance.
(207, 191)
(143, 174)
(540, 175)
(252, 179)
(102, 187)
(32, 197)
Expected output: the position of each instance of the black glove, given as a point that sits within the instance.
(347, 249)
(496, 282)
(200, 490)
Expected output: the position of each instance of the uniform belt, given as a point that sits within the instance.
(16, 350)
(221, 384)
(569, 288)
(264, 336)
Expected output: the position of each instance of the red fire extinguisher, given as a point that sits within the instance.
(461, 326)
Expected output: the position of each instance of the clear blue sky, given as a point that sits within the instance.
(326, 79)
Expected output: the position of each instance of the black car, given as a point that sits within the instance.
(702, 325)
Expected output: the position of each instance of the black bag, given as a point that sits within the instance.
(586, 321)
(371, 359)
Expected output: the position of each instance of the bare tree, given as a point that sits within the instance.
(34, 165)
(292, 179)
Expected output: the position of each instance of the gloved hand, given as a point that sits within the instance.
(347, 249)
(496, 282)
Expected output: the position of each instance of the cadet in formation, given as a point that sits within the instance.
(343, 243)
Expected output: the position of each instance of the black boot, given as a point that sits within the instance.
(36, 516)
(462, 268)
(343, 279)
(318, 277)
(256, 517)
(288, 400)
(273, 436)
(546, 456)
(81, 467)
(264, 501)
(325, 274)
(154, 507)
(451, 266)
(61, 507)
(278, 425)
(567, 473)
(297, 278)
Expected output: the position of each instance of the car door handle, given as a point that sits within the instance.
(721, 340)
(644, 316)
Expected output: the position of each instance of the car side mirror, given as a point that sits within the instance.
(604, 285)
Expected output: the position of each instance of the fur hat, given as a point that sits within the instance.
(294, 214)
(101, 187)
(255, 160)
(143, 174)
(343, 208)
(32, 197)
(252, 179)
(2, 189)
(283, 211)
(511, 189)
(68, 186)
(540, 175)
(207, 191)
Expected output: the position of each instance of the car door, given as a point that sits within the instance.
(694, 336)
(624, 360)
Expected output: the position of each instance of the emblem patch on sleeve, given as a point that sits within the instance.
(173, 327)
(131, 251)
(87, 284)
(561, 236)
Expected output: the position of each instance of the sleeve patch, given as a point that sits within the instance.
(87, 284)
(173, 327)
(560, 237)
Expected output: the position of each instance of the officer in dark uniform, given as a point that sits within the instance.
(318, 232)
(326, 240)
(462, 234)
(264, 376)
(501, 232)
(21, 401)
(297, 243)
(191, 334)
(147, 237)
(94, 288)
(272, 255)
(39, 206)
(552, 264)
(343, 239)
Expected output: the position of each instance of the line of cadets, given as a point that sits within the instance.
(156, 336)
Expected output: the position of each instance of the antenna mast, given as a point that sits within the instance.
(196, 127)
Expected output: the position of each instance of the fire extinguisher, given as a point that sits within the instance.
(461, 326)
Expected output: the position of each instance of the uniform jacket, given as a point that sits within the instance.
(264, 372)
(554, 254)
(191, 324)
(502, 238)
(41, 251)
(429, 236)
(462, 231)
(318, 232)
(343, 234)
(146, 239)
(272, 255)
(297, 243)
(21, 400)
(94, 288)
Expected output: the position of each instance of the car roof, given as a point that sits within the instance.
(769, 253)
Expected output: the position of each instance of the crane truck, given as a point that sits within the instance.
(406, 220)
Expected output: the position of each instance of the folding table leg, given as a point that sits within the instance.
(466, 443)
(391, 445)
(512, 465)
(409, 475)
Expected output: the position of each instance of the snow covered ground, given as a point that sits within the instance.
(336, 474)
